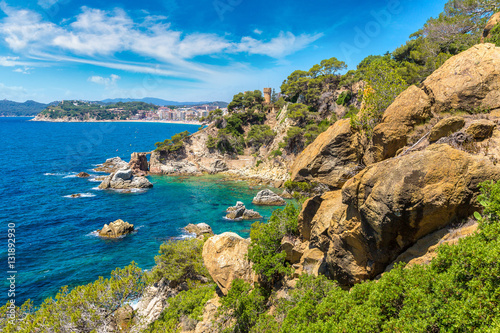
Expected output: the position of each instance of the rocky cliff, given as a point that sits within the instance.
(424, 163)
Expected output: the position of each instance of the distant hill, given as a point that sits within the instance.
(162, 102)
(28, 108)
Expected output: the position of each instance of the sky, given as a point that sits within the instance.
(197, 50)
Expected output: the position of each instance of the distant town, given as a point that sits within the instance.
(178, 114)
(75, 110)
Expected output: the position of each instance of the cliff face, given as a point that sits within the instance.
(413, 185)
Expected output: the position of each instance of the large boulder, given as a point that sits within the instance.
(268, 198)
(481, 129)
(388, 211)
(116, 229)
(469, 81)
(225, 257)
(83, 175)
(389, 206)
(446, 127)
(332, 158)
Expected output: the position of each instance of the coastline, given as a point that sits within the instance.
(119, 121)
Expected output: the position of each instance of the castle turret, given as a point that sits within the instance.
(267, 95)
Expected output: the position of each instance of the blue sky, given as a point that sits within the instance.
(187, 51)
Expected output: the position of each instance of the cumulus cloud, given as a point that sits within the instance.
(96, 32)
(24, 70)
(105, 81)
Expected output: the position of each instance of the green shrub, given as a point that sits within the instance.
(179, 261)
(276, 153)
(243, 304)
(344, 98)
(173, 144)
(265, 248)
(495, 35)
(212, 142)
(303, 187)
(259, 135)
(187, 306)
(83, 309)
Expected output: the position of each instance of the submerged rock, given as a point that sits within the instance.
(240, 212)
(225, 257)
(268, 198)
(116, 229)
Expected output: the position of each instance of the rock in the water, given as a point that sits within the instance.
(122, 174)
(124, 180)
(446, 127)
(83, 175)
(225, 257)
(481, 129)
(200, 229)
(268, 198)
(332, 158)
(111, 165)
(240, 212)
(116, 229)
(139, 164)
(77, 195)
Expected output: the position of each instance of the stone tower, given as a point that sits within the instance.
(267, 95)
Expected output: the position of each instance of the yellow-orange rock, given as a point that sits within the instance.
(224, 256)
(332, 158)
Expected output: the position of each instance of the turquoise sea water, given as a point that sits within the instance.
(55, 244)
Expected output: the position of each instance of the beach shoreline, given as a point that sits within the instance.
(120, 121)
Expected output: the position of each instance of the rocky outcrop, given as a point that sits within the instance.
(469, 81)
(225, 258)
(268, 198)
(481, 129)
(492, 22)
(332, 159)
(139, 164)
(446, 127)
(124, 179)
(116, 229)
(83, 175)
(200, 230)
(240, 212)
(152, 302)
(389, 206)
(111, 165)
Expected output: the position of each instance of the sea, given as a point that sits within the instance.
(48, 239)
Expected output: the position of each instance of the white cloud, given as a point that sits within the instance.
(25, 70)
(23, 28)
(46, 4)
(96, 32)
(258, 32)
(9, 61)
(105, 81)
(285, 44)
